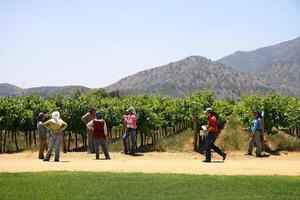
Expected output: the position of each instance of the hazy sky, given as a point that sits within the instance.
(96, 43)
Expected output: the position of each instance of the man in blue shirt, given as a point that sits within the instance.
(256, 131)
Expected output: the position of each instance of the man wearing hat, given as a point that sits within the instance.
(130, 121)
(99, 129)
(86, 119)
(42, 135)
(211, 137)
(256, 131)
(56, 126)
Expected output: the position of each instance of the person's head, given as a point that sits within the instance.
(256, 113)
(41, 117)
(208, 112)
(131, 110)
(56, 118)
(98, 115)
(55, 115)
(93, 110)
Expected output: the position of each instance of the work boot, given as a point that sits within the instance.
(224, 156)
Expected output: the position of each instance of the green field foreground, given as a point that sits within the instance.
(89, 185)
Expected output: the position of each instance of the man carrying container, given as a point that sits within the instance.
(211, 137)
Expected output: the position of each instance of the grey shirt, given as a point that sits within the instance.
(41, 130)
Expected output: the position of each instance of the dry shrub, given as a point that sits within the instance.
(283, 141)
(176, 143)
(232, 136)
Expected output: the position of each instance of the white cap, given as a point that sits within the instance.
(208, 110)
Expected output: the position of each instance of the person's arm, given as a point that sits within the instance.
(90, 125)
(125, 119)
(84, 118)
(212, 125)
(42, 130)
(105, 129)
(254, 126)
(47, 124)
(262, 114)
(131, 120)
(134, 121)
(64, 125)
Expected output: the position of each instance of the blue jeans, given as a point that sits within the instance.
(129, 132)
(102, 142)
(210, 144)
(54, 141)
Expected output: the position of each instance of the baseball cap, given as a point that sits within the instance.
(208, 110)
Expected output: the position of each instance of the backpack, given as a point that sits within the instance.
(220, 127)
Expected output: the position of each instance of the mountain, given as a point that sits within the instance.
(278, 65)
(12, 90)
(283, 74)
(272, 68)
(253, 61)
(57, 90)
(193, 73)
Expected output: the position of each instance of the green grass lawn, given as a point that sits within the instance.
(86, 185)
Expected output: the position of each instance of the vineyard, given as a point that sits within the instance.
(158, 117)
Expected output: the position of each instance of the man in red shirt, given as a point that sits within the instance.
(99, 129)
(211, 137)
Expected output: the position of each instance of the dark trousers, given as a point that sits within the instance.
(129, 132)
(102, 142)
(209, 144)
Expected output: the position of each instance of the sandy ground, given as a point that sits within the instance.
(181, 163)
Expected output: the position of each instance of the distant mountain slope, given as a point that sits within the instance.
(283, 74)
(57, 90)
(190, 74)
(278, 65)
(253, 61)
(12, 90)
(273, 68)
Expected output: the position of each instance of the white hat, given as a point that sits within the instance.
(131, 109)
(208, 110)
(56, 118)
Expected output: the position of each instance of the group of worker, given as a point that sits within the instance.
(97, 133)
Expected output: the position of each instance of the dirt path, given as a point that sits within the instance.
(182, 163)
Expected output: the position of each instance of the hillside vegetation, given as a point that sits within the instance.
(278, 65)
(193, 73)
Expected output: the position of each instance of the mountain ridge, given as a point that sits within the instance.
(271, 68)
(7, 89)
(278, 65)
(251, 61)
(177, 79)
